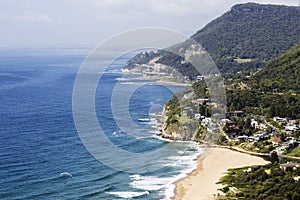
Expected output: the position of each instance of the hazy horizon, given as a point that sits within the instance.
(85, 23)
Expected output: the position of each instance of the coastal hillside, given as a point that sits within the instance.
(246, 37)
(250, 35)
(281, 75)
(271, 92)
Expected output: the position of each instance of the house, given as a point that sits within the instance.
(242, 138)
(291, 127)
(235, 113)
(206, 122)
(202, 101)
(239, 113)
(263, 126)
(227, 121)
(257, 125)
(261, 136)
(197, 116)
(276, 141)
(280, 120)
(254, 123)
(234, 131)
(199, 78)
(253, 139)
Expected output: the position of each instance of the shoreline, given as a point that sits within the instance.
(155, 80)
(180, 191)
(212, 165)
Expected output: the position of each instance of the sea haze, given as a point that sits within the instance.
(41, 154)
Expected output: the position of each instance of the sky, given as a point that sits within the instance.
(85, 23)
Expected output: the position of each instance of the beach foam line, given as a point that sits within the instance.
(151, 183)
(171, 186)
(165, 185)
(186, 164)
(144, 119)
(127, 194)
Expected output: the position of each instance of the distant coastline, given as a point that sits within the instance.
(159, 78)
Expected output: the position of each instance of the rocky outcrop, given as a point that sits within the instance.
(183, 130)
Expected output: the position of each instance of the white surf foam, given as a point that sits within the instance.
(127, 194)
(144, 119)
(151, 183)
(184, 161)
(166, 185)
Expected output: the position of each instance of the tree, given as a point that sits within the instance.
(274, 157)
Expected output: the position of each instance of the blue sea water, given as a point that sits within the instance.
(41, 154)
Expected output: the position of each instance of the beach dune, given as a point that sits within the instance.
(201, 184)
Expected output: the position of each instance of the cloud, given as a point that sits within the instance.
(173, 7)
(27, 16)
(165, 9)
(35, 22)
(281, 2)
(160, 7)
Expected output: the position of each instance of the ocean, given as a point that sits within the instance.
(41, 153)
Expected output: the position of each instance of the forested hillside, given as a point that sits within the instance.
(280, 75)
(248, 36)
(273, 91)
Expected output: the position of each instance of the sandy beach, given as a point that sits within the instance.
(201, 184)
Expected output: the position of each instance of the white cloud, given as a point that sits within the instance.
(91, 21)
(27, 16)
(280, 2)
(161, 7)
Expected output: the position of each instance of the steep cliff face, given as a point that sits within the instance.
(185, 132)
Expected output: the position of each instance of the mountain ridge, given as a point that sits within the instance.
(252, 31)
(246, 37)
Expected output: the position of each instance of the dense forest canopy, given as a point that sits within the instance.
(250, 31)
(273, 91)
(246, 37)
(280, 75)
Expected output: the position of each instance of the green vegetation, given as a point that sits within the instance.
(270, 105)
(295, 152)
(141, 58)
(273, 91)
(250, 31)
(181, 109)
(255, 98)
(281, 75)
(200, 89)
(246, 37)
(268, 182)
(249, 94)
